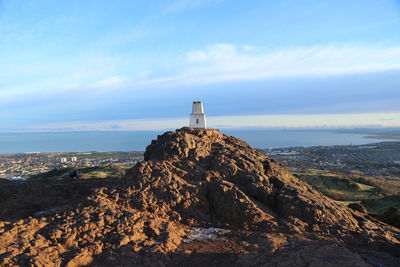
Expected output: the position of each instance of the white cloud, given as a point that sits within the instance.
(250, 47)
(220, 63)
(289, 120)
(227, 62)
(109, 82)
(217, 63)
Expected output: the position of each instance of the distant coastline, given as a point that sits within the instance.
(380, 133)
(138, 140)
(383, 137)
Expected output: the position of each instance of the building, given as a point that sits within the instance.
(63, 160)
(197, 117)
(74, 159)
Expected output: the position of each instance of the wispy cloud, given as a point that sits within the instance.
(217, 63)
(181, 5)
(228, 62)
(108, 82)
(221, 63)
(288, 121)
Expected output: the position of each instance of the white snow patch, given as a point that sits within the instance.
(15, 178)
(205, 233)
(46, 211)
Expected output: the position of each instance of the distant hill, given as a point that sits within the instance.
(375, 194)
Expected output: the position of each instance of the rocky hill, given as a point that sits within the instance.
(199, 198)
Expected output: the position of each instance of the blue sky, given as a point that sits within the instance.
(104, 65)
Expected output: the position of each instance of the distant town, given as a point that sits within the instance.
(378, 159)
(25, 165)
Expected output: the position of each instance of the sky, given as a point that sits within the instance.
(138, 65)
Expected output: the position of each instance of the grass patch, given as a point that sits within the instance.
(382, 205)
(339, 186)
(83, 173)
(346, 203)
(375, 194)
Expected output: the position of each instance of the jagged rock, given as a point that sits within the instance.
(221, 178)
(391, 216)
(357, 207)
(194, 178)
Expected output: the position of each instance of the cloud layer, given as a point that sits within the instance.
(228, 62)
(217, 63)
(226, 122)
(90, 61)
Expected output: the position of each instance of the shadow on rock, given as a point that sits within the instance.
(19, 200)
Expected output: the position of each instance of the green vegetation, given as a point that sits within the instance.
(83, 173)
(375, 194)
(383, 204)
(339, 186)
(389, 185)
(109, 155)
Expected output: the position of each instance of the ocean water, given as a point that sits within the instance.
(290, 138)
(138, 140)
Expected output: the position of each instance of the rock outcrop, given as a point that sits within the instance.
(249, 210)
(391, 216)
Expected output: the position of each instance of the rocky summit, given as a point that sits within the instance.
(199, 198)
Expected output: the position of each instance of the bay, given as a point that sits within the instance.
(138, 140)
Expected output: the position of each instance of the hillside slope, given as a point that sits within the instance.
(200, 198)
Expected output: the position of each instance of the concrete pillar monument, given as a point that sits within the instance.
(197, 117)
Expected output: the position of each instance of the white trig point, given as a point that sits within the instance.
(197, 117)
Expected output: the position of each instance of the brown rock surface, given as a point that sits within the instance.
(246, 209)
(391, 216)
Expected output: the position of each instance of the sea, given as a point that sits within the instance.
(138, 140)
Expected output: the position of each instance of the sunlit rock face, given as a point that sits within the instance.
(199, 198)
